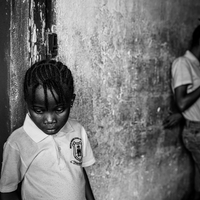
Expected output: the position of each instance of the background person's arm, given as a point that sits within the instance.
(185, 100)
(172, 120)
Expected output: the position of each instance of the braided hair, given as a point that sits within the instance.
(195, 37)
(51, 75)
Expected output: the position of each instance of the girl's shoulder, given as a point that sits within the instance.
(19, 138)
(75, 125)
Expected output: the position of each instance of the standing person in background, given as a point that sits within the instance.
(186, 88)
(49, 152)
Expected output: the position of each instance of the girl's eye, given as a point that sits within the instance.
(38, 111)
(60, 109)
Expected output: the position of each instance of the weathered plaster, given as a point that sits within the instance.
(37, 30)
(120, 53)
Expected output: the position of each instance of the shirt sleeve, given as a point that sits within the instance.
(88, 157)
(10, 173)
(181, 73)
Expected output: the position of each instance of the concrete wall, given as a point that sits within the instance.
(120, 53)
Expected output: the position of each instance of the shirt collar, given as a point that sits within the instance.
(190, 56)
(38, 135)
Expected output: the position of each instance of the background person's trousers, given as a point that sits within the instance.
(191, 140)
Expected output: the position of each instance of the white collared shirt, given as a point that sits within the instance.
(49, 165)
(186, 71)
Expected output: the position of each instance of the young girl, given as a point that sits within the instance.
(49, 152)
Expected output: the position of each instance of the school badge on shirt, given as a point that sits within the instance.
(76, 146)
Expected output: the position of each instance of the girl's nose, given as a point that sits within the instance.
(49, 118)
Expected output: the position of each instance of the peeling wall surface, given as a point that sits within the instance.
(120, 53)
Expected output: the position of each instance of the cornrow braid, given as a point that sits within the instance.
(51, 75)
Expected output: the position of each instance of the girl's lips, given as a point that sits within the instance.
(50, 130)
(50, 127)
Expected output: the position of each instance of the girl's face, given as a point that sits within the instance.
(50, 120)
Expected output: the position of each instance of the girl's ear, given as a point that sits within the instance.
(74, 96)
(72, 100)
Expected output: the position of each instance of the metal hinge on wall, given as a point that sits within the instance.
(52, 45)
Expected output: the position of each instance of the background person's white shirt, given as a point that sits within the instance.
(186, 70)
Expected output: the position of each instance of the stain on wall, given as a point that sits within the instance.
(120, 53)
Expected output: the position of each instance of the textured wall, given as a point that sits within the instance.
(18, 60)
(120, 53)
(27, 44)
